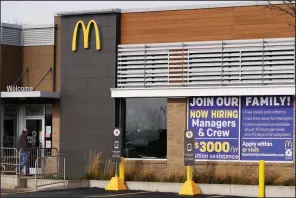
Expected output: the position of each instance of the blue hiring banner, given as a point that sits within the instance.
(267, 128)
(246, 128)
(215, 122)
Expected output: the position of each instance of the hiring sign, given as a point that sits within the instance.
(248, 128)
(189, 148)
(116, 146)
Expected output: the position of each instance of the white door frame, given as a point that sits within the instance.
(42, 126)
(39, 117)
(33, 170)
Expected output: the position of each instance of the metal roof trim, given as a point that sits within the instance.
(84, 12)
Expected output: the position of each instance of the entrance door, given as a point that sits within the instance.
(36, 138)
(35, 132)
(9, 135)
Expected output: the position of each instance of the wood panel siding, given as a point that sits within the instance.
(248, 22)
(11, 67)
(16, 59)
(38, 59)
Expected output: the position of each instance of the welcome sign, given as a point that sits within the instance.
(19, 89)
(242, 128)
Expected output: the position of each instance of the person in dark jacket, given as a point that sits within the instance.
(23, 145)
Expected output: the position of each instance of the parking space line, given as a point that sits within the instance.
(216, 196)
(115, 195)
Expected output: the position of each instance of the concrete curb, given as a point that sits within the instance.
(67, 185)
(9, 181)
(219, 189)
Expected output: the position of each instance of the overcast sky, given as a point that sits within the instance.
(42, 12)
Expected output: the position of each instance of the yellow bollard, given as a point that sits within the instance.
(189, 187)
(117, 183)
(261, 189)
(121, 168)
(189, 173)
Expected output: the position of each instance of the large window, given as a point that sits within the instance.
(10, 134)
(145, 128)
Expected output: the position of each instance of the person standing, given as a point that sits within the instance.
(23, 145)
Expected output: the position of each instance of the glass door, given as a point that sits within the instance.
(9, 133)
(9, 125)
(36, 139)
(35, 132)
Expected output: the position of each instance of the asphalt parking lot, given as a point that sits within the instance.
(96, 192)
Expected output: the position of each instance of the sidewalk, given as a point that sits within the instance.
(5, 191)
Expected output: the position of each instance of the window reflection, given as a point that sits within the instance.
(10, 126)
(145, 128)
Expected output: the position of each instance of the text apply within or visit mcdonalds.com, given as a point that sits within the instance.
(242, 128)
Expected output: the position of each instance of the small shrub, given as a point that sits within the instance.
(146, 176)
(175, 178)
(101, 167)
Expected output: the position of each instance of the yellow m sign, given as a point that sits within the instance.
(86, 32)
(288, 143)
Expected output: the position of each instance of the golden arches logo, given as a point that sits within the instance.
(86, 32)
(288, 143)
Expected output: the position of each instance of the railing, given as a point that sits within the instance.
(50, 170)
(2, 169)
(46, 164)
(9, 160)
(33, 154)
(211, 63)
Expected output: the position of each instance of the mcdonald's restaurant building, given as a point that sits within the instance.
(224, 71)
